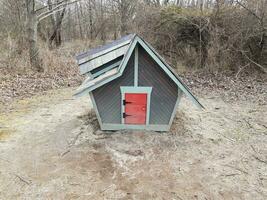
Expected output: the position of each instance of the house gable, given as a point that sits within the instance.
(165, 91)
(87, 87)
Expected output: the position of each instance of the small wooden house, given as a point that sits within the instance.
(131, 86)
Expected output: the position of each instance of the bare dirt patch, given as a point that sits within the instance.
(56, 151)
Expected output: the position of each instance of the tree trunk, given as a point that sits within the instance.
(79, 20)
(56, 35)
(123, 18)
(123, 24)
(32, 24)
(56, 20)
(103, 25)
(91, 19)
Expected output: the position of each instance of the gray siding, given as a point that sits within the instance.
(108, 96)
(164, 92)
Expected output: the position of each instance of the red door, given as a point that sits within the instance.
(135, 108)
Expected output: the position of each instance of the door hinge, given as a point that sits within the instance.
(126, 102)
(124, 115)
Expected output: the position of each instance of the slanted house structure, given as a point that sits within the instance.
(131, 86)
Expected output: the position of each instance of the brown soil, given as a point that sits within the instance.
(51, 148)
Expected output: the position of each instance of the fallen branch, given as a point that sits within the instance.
(236, 168)
(101, 138)
(241, 69)
(105, 189)
(257, 157)
(257, 64)
(76, 137)
(23, 179)
(64, 153)
(230, 139)
(233, 174)
(248, 123)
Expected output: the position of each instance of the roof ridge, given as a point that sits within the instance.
(108, 45)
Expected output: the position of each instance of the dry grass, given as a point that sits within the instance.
(17, 79)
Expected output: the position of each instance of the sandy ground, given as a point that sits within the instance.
(50, 148)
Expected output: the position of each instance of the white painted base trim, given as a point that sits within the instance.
(110, 127)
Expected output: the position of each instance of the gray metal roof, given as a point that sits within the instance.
(97, 50)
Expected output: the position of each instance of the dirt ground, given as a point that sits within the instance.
(50, 148)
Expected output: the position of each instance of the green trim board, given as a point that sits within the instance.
(106, 69)
(84, 90)
(96, 109)
(136, 66)
(162, 128)
(179, 96)
(89, 76)
(129, 89)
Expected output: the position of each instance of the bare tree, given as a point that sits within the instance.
(126, 9)
(259, 14)
(56, 20)
(213, 32)
(34, 17)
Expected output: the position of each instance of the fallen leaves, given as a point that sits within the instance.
(248, 87)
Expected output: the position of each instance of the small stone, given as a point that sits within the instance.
(98, 132)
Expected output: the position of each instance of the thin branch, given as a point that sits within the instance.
(257, 157)
(33, 5)
(250, 11)
(257, 64)
(46, 7)
(55, 9)
(23, 179)
(49, 14)
(241, 69)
